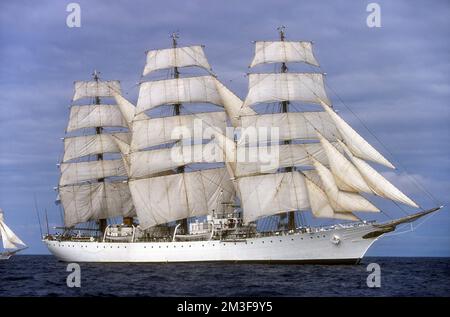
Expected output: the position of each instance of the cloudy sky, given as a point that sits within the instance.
(395, 78)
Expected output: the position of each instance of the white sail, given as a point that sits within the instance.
(233, 105)
(341, 201)
(175, 57)
(200, 89)
(294, 125)
(9, 238)
(95, 116)
(276, 87)
(147, 163)
(156, 131)
(127, 109)
(268, 159)
(283, 52)
(346, 175)
(320, 205)
(95, 201)
(359, 147)
(379, 185)
(79, 146)
(270, 194)
(74, 173)
(90, 89)
(167, 198)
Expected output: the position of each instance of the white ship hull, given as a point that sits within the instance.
(316, 247)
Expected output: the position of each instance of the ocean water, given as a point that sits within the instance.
(40, 275)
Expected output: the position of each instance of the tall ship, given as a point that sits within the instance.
(192, 173)
(11, 242)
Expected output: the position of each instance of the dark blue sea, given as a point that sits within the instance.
(28, 275)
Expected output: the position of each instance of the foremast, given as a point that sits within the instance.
(91, 186)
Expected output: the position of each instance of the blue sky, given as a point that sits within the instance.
(395, 78)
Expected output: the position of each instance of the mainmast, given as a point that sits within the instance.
(163, 192)
(284, 109)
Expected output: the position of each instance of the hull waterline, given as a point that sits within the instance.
(337, 246)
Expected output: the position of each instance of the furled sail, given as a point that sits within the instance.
(79, 146)
(93, 116)
(163, 199)
(176, 57)
(95, 88)
(283, 52)
(94, 201)
(293, 125)
(201, 89)
(276, 87)
(358, 146)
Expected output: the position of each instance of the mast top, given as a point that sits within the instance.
(174, 36)
(281, 30)
(96, 74)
